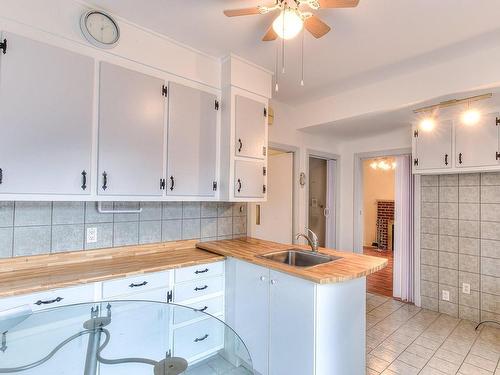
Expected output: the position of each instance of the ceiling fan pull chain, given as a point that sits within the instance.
(283, 42)
(302, 77)
(276, 88)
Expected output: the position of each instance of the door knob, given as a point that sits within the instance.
(262, 278)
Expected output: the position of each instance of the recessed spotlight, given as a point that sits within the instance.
(427, 124)
(471, 117)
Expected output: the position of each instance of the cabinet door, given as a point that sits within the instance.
(432, 149)
(192, 141)
(131, 109)
(249, 179)
(46, 97)
(292, 324)
(250, 118)
(477, 145)
(251, 311)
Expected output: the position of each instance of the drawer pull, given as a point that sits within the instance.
(201, 310)
(198, 339)
(138, 285)
(197, 289)
(40, 302)
(202, 271)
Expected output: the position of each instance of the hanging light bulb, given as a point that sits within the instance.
(427, 124)
(288, 24)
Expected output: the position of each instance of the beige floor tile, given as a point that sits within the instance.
(412, 359)
(430, 371)
(385, 354)
(449, 356)
(443, 366)
(421, 351)
(375, 363)
(369, 371)
(481, 362)
(402, 368)
(468, 369)
(428, 343)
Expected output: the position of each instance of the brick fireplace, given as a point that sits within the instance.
(385, 220)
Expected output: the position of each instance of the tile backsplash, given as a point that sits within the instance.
(30, 228)
(460, 243)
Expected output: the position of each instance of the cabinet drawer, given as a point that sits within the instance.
(198, 288)
(212, 306)
(198, 338)
(199, 272)
(134, 284)
(51, 298)
(157, 295)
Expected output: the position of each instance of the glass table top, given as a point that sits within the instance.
(119, 338)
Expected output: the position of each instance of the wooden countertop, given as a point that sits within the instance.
(30, 274)
(351, 266)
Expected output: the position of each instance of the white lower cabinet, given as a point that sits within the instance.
(278, 315)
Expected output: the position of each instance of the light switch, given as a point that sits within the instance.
(446, 295)
(465, 288)
(92, 235)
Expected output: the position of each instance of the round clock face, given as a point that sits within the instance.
(100, 29)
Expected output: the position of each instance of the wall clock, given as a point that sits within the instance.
(100, 29)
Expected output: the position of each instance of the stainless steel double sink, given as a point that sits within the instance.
(299, 258)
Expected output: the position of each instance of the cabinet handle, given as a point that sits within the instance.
(201, 310)
(40, 302)
(104, 180)
(138, 285)
(239, 185)
(172, 183)
(262, 278)
(201, 271)
(84, 180)
(240, 145)
(198, 339)
(197, 289)
(446, 159)
(1, 175)
(460, 158)
(273, 282)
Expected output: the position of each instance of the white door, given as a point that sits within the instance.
(131, 109)
(432, 149)
(477, 145)
(292, 305)
(192, 141)
(46, 97)
(249, 179)
(251, 311)
(250, 118)
(275, 222)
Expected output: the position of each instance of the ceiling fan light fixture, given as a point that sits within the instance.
(288, 24)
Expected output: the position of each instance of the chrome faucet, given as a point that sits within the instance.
(312, 239)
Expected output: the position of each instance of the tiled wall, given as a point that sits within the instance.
(28, 228)
(460, 243)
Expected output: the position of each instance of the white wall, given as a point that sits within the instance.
(284, 131)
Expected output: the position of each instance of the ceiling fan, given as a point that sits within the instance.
(294, 15)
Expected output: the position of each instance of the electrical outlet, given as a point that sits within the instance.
(446, 295)
(92, 235)
(465, 288)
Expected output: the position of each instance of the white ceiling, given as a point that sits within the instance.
(367, 43)
(384, 122)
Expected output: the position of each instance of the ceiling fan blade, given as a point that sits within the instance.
(316, 27)
(241, 12)
(270, 35)
(338, 3)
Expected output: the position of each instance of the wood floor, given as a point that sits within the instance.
(380, 282)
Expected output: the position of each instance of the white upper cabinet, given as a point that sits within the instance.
(433, 149)
(131, 132)
(250, 179)
(46, 98)
(192, 142)
(477, 145)
(250, 120)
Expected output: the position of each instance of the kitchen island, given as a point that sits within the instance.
(297, 320)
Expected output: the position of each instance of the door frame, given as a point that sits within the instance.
(294, 150)
(326, 156)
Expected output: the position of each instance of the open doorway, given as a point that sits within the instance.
(273, 220)
(384, 224)
(378, 219)
(321, 197)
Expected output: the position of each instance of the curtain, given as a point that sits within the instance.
(403, 276)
